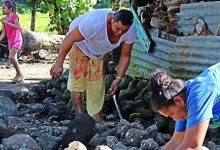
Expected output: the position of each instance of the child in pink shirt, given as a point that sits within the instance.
(11, 29)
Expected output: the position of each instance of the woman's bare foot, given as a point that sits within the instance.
(98, 119)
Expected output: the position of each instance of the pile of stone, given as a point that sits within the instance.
(43, 118)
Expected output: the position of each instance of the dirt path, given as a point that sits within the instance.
(33, 72)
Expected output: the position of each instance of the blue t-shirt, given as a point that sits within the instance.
(203, 99)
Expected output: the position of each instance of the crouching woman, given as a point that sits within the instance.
(194, 105)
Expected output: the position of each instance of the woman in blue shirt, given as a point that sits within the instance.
(193, 104)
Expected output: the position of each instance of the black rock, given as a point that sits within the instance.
(82, 128)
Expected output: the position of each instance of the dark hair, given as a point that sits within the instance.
(10, 4)
(163, 89)
(125, 16)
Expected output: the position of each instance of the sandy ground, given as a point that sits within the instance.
(33, 72)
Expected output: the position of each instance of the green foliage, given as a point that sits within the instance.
(62, 12)
(103, 4)
(42, 20)
(23, 9)
(43, 7)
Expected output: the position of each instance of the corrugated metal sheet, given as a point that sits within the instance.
(142, 63)
(189, 14)
(185, 58)
(189, 55)
(192, 54)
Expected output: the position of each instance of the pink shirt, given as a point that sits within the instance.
(14, 35)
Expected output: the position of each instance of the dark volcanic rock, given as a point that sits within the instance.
(82, 129)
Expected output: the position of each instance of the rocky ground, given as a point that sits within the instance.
(38, 114)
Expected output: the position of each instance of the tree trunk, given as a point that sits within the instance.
(57, 11)
(33, 41)
(33, 15)
(116, 5)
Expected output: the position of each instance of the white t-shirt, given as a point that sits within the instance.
(93, 26)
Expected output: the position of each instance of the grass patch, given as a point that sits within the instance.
(41, 22)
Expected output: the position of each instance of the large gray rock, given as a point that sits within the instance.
(134, 137)
(122, 127)
(120, 146)
(149, 144)
(97, 140)
(12, 89)
(15, 124)
(7, 107)
(152, 130)
(48, 142)
(159, 139)
(212, 146)
(111, 141)
(20, 141)
(4, 132)
(82, 128)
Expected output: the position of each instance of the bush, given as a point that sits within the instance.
(23, 9)
(63, 12)
(103, 4)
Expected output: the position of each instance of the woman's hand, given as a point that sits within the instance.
(56, 70)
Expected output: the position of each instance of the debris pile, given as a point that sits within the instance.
(42, 118)
(163, 15)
